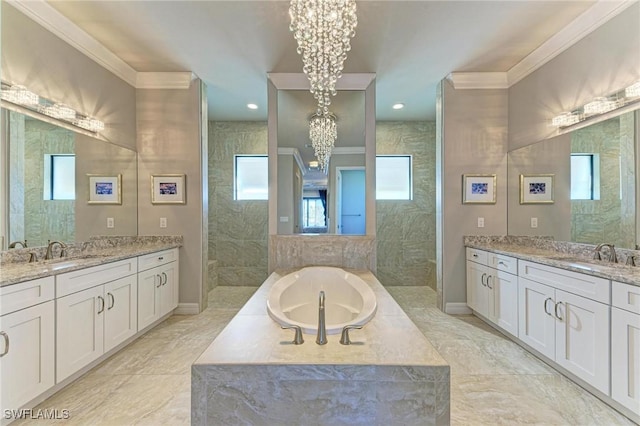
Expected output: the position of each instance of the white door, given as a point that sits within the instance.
(79, 330)
(625, 358)
(121, 319)
(149, 283)
(350, 205)
(505, 301)
(582, 338)
(26, 354)
(536, 323)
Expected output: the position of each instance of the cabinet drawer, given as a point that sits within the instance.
(19, 296)
(152, 260)
(503, 263)
(625, 296)
(75, 281)
(478, 256)
(594, 288)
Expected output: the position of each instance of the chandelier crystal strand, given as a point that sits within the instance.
(323, 134)
(323, 30)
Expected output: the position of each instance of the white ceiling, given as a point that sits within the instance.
(410, 45)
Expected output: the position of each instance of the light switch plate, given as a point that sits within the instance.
(534, 222)
(284, 218)
(481, 222)
(110, 222)
(163, 222)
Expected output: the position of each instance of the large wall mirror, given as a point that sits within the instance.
(46, 185)
(595, 180)
(302, 198)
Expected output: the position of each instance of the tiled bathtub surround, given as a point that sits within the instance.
(559, 253)
(406, 230)
(345, 251)
(252, 374)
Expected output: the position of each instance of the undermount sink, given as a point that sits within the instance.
(580, 262)
(63, 262)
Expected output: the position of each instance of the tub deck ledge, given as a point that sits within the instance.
(252, 373)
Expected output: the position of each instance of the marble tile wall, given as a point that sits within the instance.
(406, 230)
(612, 217)
(296, 251)
(237, 229)
(43, 219)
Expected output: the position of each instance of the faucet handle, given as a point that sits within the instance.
(297, 340)
(33, 257)
(631, 260)
(344, 337)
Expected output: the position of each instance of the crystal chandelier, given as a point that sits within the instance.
(323, 134)
(323, 30)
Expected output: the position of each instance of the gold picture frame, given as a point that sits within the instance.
(479, 189)
(104, 189)
(169, 189)
(536, 189)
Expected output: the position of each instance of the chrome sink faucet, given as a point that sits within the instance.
(49, 254)
(321, 338)
(14, 244)
(597, 254)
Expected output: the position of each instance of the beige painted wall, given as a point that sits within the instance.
(170, 141)
(406, 230)
(551, 156)
(474, 141)
(35, 58)
(603, 62)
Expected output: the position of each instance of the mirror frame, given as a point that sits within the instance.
(299, 81)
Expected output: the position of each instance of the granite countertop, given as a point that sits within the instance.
(390, 338)
(96, 251)
(570, 256)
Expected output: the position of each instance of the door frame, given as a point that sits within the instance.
(338, 188)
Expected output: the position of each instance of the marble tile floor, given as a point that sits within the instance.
(494, 381)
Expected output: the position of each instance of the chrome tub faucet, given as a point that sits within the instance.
(321, 338)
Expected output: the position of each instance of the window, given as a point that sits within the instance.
(312, 212)
(393, 177)
(585, 177)
(59, 177)
(251, 177)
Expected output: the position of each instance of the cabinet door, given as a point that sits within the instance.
(168, 277)
(79, 330)
(504, 309)
(121, 319)
(149, 283)
(536, 325)
(477, 290)
(582, 338)
(27, 366)
(625, 358)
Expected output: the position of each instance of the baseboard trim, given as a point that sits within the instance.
(457, 309)
(187, 309)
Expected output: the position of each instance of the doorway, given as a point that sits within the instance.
(350, 201)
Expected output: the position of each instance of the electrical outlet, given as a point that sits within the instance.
(163, 222)
(481, 222)
(110, 222)
(534, 222)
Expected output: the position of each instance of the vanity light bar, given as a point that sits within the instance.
(598, 106)
(21, 96)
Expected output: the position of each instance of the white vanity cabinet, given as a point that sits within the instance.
(157, 286)
(564, 315)
(492, 288)
(96, 310)
(625, 345)
(26, 341)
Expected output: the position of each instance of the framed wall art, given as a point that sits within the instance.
(536, 189)
(168, 189)
(478, 189)
(105, 189)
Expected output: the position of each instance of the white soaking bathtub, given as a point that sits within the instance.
(294, 299)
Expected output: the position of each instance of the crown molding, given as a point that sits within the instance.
(296, 156)
(342, 150)
(61, 26)
(478, 80)
(598, 14)
(164, 80)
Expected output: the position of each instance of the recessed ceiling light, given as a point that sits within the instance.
(398, 106)
(252, 106)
